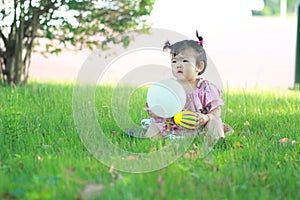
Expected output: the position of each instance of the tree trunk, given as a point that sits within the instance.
(15, 60)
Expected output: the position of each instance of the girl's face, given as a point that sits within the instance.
(184, 66)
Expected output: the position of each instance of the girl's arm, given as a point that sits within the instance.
(204, 118)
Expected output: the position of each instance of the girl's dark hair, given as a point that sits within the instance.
(180, 46)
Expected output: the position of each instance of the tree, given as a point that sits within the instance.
(26, 24)
(272, 8)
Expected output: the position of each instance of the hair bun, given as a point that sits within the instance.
(200, 38)
(167, 46)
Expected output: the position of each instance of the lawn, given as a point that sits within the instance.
(42, 156)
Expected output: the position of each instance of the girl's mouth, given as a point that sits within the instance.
(179, 72)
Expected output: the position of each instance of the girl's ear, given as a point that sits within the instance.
(200, 66)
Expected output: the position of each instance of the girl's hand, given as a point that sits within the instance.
(202, 119)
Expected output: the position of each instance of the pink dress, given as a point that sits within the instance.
(205, 98)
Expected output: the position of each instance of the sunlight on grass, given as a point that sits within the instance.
(42, 157)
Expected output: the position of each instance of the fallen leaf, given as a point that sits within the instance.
(283, 140)
(160, 180)
(246, 123)
(113, 133)
(131, 157)
(229, 110)
(90, 191)
(195, 147)
(161, 191)
(239, 132)
(8, 195)
(59, 140)
(46, 146)
(286, 140)
(111, 169)
(192, 154)
(38, 157)
(115, 175)
(238, 145)
(228, 129)
(21, 165)
(71, 169)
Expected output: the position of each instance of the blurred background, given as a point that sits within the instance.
(251, 42)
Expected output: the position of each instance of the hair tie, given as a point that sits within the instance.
(200, 39)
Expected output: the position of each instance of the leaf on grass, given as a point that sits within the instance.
(229, 110)
(161, 191)
(113, 133)
(112, 172)
(192, 154)
(286, 140)
(38, 157)
(111, 169)
(90, 191)
(115, 175)
(211, 165)
(246, 123)
(21, 165)
(238, 145)
(46, 146)
(131, 157)
(71, 169)
(59, 140)
(8, 195)
(195, 147)
(283, 140)
(239, 132)
(264, 176)
(160, 180)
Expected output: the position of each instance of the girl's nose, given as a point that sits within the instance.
(179, 65)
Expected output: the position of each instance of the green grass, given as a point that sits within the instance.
(42, 156)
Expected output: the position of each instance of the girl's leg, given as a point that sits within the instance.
(214, 131)
(215, 128)
(153, 131)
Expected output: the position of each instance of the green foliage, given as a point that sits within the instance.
(82, 23)
(56, 24)
(42, 157)
(272, 8)
(292, 6)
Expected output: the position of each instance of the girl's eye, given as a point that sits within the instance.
(185, 61)
(173, 61)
